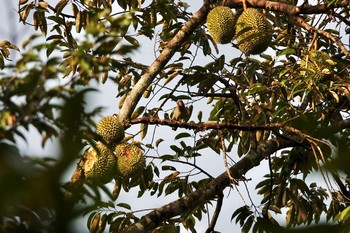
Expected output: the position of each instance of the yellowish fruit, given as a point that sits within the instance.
(317, 63)
(100, 164)
(253, 31)
(221, 24)
(130, 160)
(110, 129)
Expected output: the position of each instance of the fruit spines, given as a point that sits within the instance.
(131, 160)
(253, 32)
(110, 129)
(221, 24)
(100, 164)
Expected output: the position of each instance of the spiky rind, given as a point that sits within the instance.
(110, 129)
(317, 63)
(130, 160)
(221, 24)
(254, 32)
(100, 164)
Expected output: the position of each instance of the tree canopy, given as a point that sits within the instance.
(196, 99)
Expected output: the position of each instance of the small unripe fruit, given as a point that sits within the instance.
(110, 129)
(221, 24)
(130, 160)
(100, 164)
(253, 31)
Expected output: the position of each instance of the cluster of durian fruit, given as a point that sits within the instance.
(250, 28)
(111, 158)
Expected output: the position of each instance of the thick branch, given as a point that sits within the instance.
(211, 190)
(216, 214)
(288, 8)
(216, 186)
(173, 45)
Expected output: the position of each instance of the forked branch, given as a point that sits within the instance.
(210, 190)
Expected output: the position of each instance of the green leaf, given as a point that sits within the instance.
(143, 129)
(132, 40)
(168, 168)
(182, 135)
(124, 205)
(137, 112)
(248, 224)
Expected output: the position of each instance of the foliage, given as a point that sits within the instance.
(289, 105)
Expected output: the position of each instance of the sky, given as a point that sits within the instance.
(16, 32)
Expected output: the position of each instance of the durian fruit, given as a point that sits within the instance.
(110, 129)
(221, 24)
(253, 32)
(100, 164)
(130, 160)
(317, 63)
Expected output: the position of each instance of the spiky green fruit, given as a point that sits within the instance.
(317, 62)
(110, 129)
(221, 24)
(130, 160)
(100, 164)
(253, 31)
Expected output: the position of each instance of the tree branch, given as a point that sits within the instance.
(216, 214)
(291, 9)
(328, 35)
(210, 190)
(216, 186)
(174, 44)
(202, 126)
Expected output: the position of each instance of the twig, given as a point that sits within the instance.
(187, 163)
(223, 148)
(216, 213)
(328, 35)
(271, 185)
(210, 190)
(202, 126)
(233, 181)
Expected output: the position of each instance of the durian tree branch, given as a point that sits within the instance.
(174, 44)
(216, 186)
(216, 214)
(210, 190)
(202, 126)
(328, 35)
(289, 8)
(185, 162)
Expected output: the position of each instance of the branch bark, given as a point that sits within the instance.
(202, 126)
(291, 9)
(211, 190)
(216, 186)
(157, 65)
